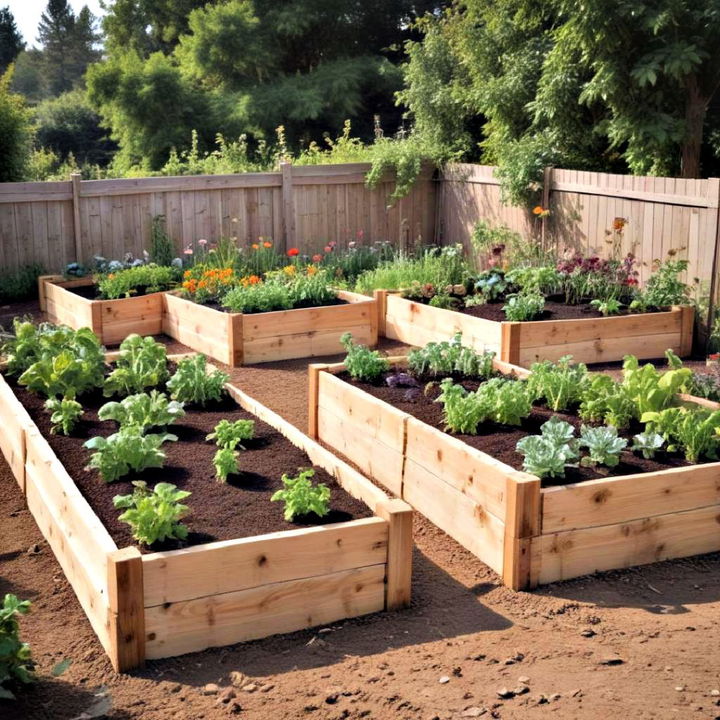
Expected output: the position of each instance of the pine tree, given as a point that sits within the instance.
(11, 41)
(54, 31)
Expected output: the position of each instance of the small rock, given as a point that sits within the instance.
(680, 688)
(267, 688)
(250, 687)
(211, 689)
(588, 633)
(324, 631)
(611, 661)
(238, 679)
(332, 699)
(505, 694)
(444, 679)
(175, 688)
(457, 672)
(715, 693)
(473, 711)
(541, 699)
(524, 679)
(34, 549)
(521, 690)
(225, 696)
(234, 708)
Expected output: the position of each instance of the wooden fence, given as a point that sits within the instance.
(301, 206)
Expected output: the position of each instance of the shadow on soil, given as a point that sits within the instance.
(441, 609)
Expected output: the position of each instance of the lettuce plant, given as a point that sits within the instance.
(603, 444)
(65, 375)
(15, 658)
(302, 497)
(125, 451)
(524, 306)
(143, 411)
(609, 306)
(648, 443)
(451, 358)
(362, 363)
(64, 414)
(651, 390)
(226, 462)
(154, 515)
(192, 383)
(694, 432)
(605, 400)
(560, 384)
(142, 364)
(231, 434)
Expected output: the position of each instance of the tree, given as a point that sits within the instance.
(16, 134)
(11, 41)
(29, 75)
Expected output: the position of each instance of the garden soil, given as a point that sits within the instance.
(640, 643)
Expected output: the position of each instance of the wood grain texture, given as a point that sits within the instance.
(126, 610)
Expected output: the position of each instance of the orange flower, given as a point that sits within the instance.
(538, 210)
(619, 223)
(187, 274)
(111, 276)
(312, 269)
(267, 244)
(255, 246)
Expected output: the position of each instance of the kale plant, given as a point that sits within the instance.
(648, 443)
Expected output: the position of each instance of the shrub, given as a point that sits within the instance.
(162, 249)
(20, 284)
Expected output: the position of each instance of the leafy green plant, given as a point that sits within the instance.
(127, 450)
(695, 432)
(647, 443)
(311, 290)
(462, 411)
(226, 462)
(21, 283)
(474, 301)
(705, 385)
(605, 400)
(64, 414)
(560, 384)
(154, 515)
(162, 250)
(664, 287)
(651, 390)
(302, 497)
(140, 279)
(260, 297)
(611, 306)
(66, 374)
(231, 434)
(603, 444)
(491, 284)
(451, 358)
(142, 363)
(443, 300)
(15, 658)
(192, 383)
(143, 411)
(548, 454)
(544, 279)
(362, 363)
(524, 306)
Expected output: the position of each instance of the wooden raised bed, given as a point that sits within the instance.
(111, 320)
(169, 603)
(238, 339)
(590, 340)
(528, 534)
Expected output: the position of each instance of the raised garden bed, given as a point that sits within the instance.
(239, 339)
(588, 340)
(240, 587)
(111, 320)
(527, 533)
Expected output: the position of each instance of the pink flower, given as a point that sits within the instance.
(360, 234)
(202, 241)
(332, 243)
(188, 250)
(317, 258)
(327, 248)
(352, 244)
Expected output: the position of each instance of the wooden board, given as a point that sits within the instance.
(272, 609)
(15, 423)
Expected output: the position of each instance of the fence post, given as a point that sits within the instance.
(547, 187)
(288, 206)
(714, 194)
(75, 179)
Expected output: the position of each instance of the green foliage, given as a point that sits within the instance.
(15, 659)
(694, 432)
(450, 358)
(560, 384)
(543, 279)
(705, 385)
(226, 462)
(11, 41)
(261, 297)
(611, 306)
(441, 300)
(362, 363)
(154, 515)
(493, 243)
(603, 444)
(192, 383)
(141, 364)
(524, 306)
(16, 132)
(231, 434)
(125, 451)
(311, 290)
(20, 284)
(664, 287)
(648, 443)
(651, 390)
(548, 454)
(143, 411)
(605, 400)
(64, 414)
(162, 249)
(302, 497)
(491, 284)
(136, 280)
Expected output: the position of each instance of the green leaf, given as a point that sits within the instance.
(61, 667)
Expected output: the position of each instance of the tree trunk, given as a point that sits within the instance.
(695, 111)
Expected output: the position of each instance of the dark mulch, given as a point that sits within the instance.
(90, 292)
(299, 306)
(499, 441)
(241, 508)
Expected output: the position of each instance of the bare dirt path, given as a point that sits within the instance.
(641, 643)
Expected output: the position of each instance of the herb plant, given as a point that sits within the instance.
(125, 451)
(64, 414)
(192, 383)
(154, 515)
(226, 462)
(664, 287)
(231, 434)
(524, 306)
(302, 497)
(15, 658)
(362, 363)
(259, 297)
(142, 364)
(134, 280)
(603, 444)
(450, 358)
(143, 411)
(560, 384)
(311, 289)
(648, 443)
(444, 301)
(491, 284)
(544, 279)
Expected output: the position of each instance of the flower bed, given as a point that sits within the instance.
(111, 320)
(172, 601)
(597, 339)
(527, 533)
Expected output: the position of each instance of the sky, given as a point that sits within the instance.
(27, 14)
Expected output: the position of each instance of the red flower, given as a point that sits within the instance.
(317, 258)
(292, 252)
(327, 249)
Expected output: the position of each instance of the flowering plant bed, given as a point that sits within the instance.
(235, 576)
(637, 512)
(240, 338)
(64, 302)
(592, 339)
